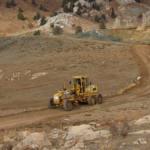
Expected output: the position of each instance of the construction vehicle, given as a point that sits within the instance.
(82, 91)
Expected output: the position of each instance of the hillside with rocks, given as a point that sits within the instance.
(69, 14)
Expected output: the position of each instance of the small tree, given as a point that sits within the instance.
(8, 4)
(21, 16)
(38, 32)
(70, 8)
(33, 2)
(57, 30)
(20, 10)
(102, 25)
(140, 15)
(113, 15)
(43, 20)
(78, 11)
(97, 18)
(55, 13)
(12, 3)
(52, 25)
(78, 29)
(66, 8)
(37, 16)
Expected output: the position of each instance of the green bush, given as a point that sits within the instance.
(140, 15)
(38, 32)
(43, 20)
(41, 7)
(21, 16)
(20, 10)
(95, 6)
(78, 29)
(57, 30)
(52, 25)
(79, 5)
(55, 13)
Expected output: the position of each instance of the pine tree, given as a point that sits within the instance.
(33, 2)
(43, 20)
(79, 5)
(102, 25)
(66, 8)
(12, 3)
(78, 11)
(20, 10)
(21, 16)
(97, 18)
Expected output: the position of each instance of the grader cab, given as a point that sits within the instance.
(82, 91)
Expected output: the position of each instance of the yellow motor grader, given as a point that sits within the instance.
(82, 91)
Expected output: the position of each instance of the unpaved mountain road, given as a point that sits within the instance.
(141, 54)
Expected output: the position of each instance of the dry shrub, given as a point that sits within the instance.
(30, 25)
(120, 128)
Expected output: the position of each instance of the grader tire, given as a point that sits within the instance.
(99, 99)
(67, 105)
(91, 100)
(51, 104)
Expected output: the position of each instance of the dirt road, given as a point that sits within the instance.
(139, 52)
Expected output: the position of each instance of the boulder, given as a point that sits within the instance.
(75, 9)
(85, 132)
(140, 141)
(34, 140)
(83, 2)
(23, 134)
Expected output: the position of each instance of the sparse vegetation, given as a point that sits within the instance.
(21, 16)
(43, 20)
(38, 32)
(78, 29)
(57, 30)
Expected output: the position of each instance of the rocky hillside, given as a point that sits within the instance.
(8, 16)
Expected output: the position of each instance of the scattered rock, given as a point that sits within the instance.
(35, 140)
(45, 148)
(8, 147)
(80, 144)
(8, 139)
(34, 76)
(92, 123)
